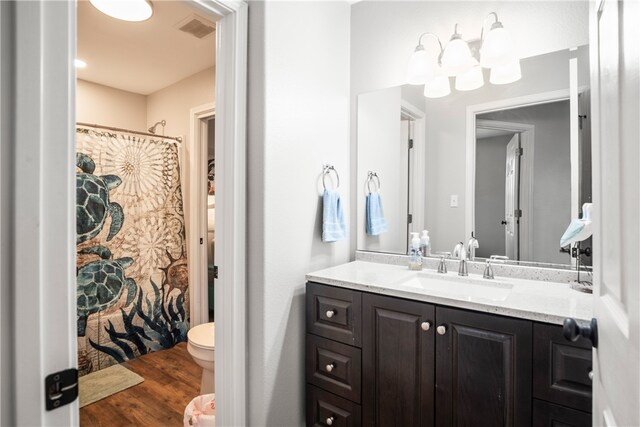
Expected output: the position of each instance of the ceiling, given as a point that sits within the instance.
(141, 57)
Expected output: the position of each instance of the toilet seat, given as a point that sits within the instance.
(203, 336)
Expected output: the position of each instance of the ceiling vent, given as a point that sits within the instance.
(197, 26)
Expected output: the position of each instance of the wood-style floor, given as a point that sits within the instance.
(171, 380)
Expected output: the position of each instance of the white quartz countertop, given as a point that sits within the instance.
(548, 302)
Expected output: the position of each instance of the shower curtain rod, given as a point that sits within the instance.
(177, 138)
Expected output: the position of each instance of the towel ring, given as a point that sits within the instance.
(370, 176)
(326, 170)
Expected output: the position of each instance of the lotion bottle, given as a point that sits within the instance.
(425, 244)
(415, 257)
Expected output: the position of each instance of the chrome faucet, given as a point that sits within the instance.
(472, 245)
(461, 253)
(488, 271)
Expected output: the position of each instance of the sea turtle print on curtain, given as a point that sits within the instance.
(132, 280)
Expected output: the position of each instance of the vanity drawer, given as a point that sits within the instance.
(326, 409)
(547, 414)
(334, 313)
(561, 368)
(334, 367)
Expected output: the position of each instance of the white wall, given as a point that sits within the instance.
(104, 105)
(383, 36)
(491, 154)
(174, 103)
(551, 210)
(298, 119)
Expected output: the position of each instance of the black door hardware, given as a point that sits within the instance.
(572, 331)
(60, 388)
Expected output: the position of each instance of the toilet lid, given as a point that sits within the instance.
(203, 335)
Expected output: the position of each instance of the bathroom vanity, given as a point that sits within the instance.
(388, 346)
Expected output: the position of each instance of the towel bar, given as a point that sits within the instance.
(326, 170)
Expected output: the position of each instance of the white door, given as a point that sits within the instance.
(511, 196)
(615, 68)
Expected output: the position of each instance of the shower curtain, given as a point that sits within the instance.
(132, 278)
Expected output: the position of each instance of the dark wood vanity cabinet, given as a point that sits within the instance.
(398, 359)
(483, 369)
(386, 361)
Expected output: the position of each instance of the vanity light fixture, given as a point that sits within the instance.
(505, 74)
(423, 66)
(125, 10)
(457, 58)
(496, 52)
(497, 47)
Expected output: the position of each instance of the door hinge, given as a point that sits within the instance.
(215, 271)
(581, 117)
(410, 218)
(61, 388)
(520, 151)
(410, 144)
(517, 213)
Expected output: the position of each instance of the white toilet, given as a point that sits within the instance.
(201, 347)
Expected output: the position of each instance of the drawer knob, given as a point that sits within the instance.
(331, 313)
(329, 421)
(425, 326)
(329, 367)
(442, 329)
(591, 375)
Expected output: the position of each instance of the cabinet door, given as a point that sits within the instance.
(398, 362)
(483, 369)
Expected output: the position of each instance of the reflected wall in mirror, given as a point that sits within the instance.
(510, 163)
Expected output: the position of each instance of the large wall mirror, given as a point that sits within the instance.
(510, 163)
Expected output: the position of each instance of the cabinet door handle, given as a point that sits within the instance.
(442, 329)
(329, 421)
(425, 326)
(330, 367)
(590, 375)
(330, 313)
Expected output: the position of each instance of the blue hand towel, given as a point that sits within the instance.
(333, 224)
(376, 223)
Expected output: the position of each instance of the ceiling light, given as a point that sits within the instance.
(456, 57)
(472, 79)
(497, 46)
(438, 87)
(423, 66)
(507, 73)
(79, 63)
(126, 10)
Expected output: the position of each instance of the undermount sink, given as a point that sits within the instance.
(463, 287)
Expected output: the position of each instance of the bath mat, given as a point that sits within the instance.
(105, 382)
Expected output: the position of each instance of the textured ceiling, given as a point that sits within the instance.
(141, 57)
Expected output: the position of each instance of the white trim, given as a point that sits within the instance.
(197, 212)
(472, 111)
(230, 245)
(527, 143)
(43, 202)
(411, 110)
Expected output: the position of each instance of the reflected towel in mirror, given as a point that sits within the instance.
(333, 223)
(376, 223)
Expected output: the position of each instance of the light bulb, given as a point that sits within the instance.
(438, 87)
(497, 48)
(126, 10)
(472, 79)
(507, 73)
(457, 57)
(422, 67)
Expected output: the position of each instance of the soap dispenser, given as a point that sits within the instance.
(425, 245)
(415, 257)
